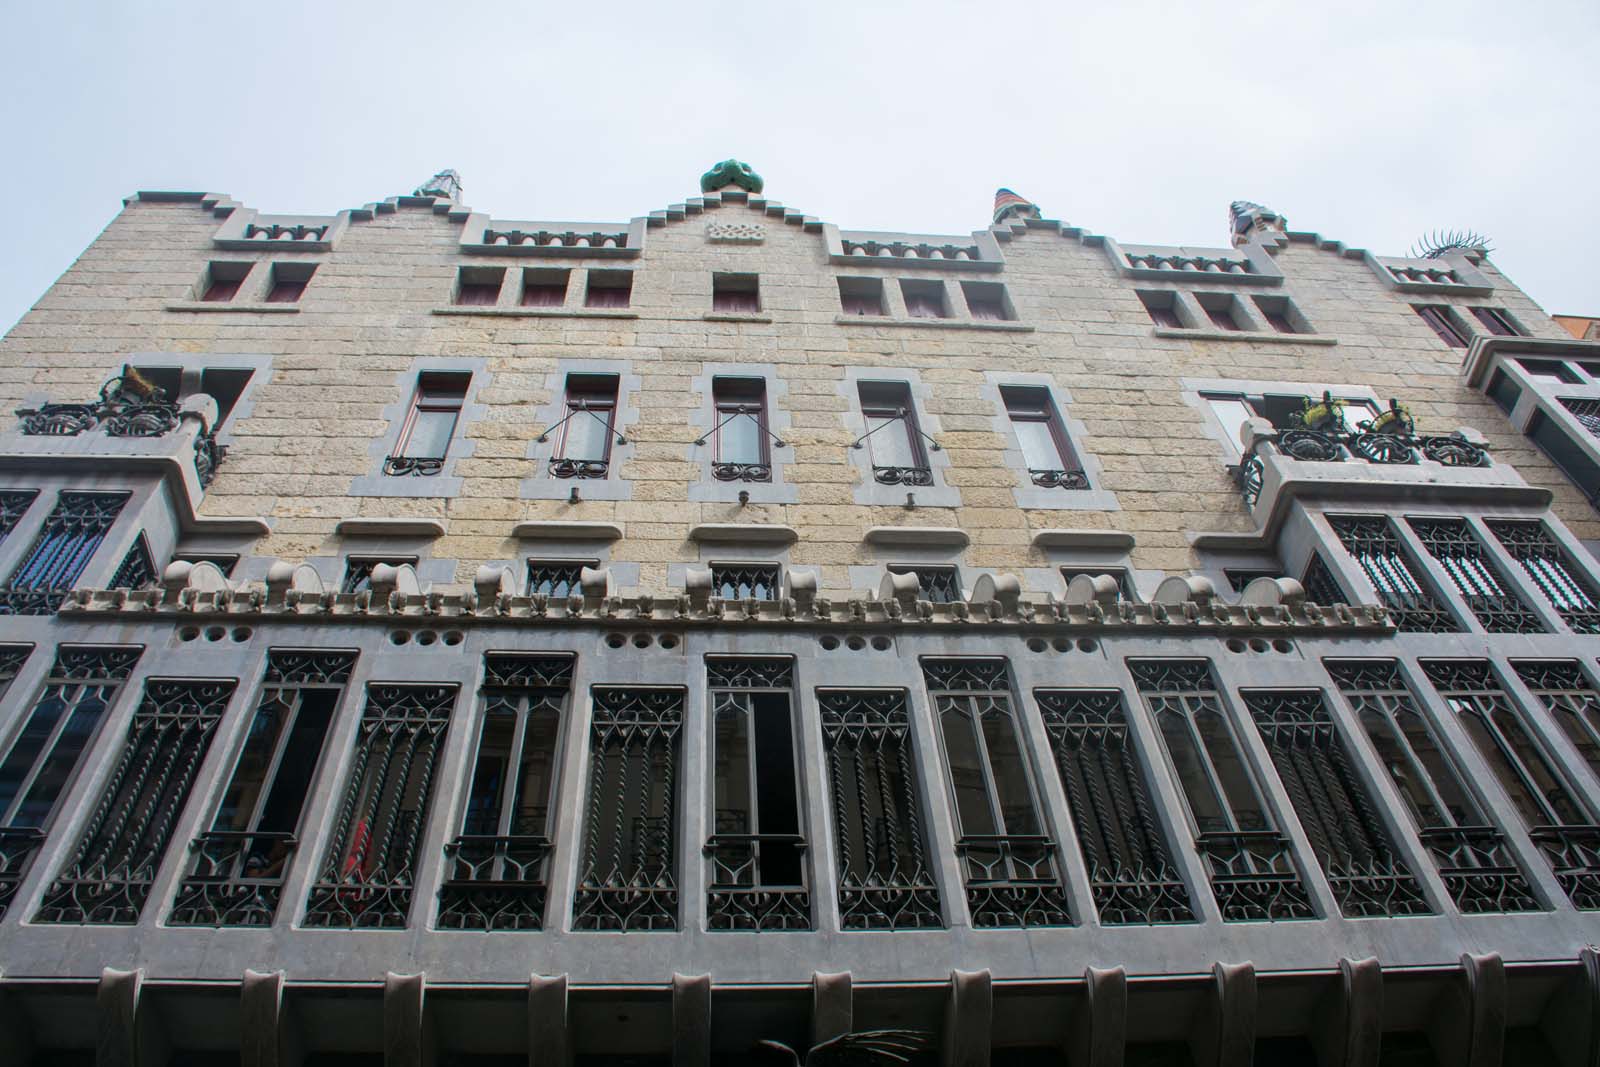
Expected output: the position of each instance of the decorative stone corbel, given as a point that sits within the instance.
(596, 585)
(691, 1020)
(697, 586)
(832, 1006)
(1181, 589)
(261, 1020)
(284, 578)
(1348, 1022)
(1101, 1030)
(1228, 1035)
(407, 1037)
(968, 1020)
(1468, 1026)
(388, 581)
(998, 591)
(495, 588)
(802, 586)
(547, 1022)
(902, 588)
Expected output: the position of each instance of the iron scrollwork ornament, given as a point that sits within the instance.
(413, 466)
(741, 472)
(1058, 479)
(579, 468)
(902, 475)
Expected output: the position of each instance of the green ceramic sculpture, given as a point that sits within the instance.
(731, 170)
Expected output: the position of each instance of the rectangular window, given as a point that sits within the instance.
(757, 844)
(1126, 850)
(609, 289)
(746, 581)
(108, 875)
(739, 438)
(1220, 309)
(1498, 322)
(987, 301)
(223, 281)
(238, 867)
(1280, 314)
(1559, 823)
(358, 570)
(1550, 370)
(935, 584)
(736, 294)
(1052, 464)
(497, 867)
(1440, 319)
(1367, 875)
(893, 438)
(1469, 850)
(66, 543)
(1565, 584)
(1007, 855)
(479, 286)
(12, 657)
(1503, 391)
(1231, 412)
(1572, 702)
(587, 428)
(1566, 453)
(1162, 308)
(628, 869)
(225, 385)
(289, 281)
(1374, 545)
(544, 288)
(880, 833)
(557, 579)
(431, 422)
(861, 296)
(369, 871)
(1474, 574)
(1251, 863)
(43, 758)
(14, 503)
(924, 299)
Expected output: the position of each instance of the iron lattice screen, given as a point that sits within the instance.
(1375, 547)
(1476, 577)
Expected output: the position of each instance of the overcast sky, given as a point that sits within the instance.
(1367, 123)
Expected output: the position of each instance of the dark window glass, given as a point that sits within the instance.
(1497, 322)
(740, 434)
(1440, 321)
(431, 423)
(588, 426)
(1504, 392)
(738, 294)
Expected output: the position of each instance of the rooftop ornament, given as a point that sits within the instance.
(1247, 219)
(731, 172)
(446, 185)
(1008, 205)
(1439, 243)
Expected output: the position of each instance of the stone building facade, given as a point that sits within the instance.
(431, 638)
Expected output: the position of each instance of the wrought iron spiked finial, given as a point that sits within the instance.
(1437, 244)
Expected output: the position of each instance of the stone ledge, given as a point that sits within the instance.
(919, 536)
(429, 528)
(712, 316)
(218, 305)
(936, 324)
(1246, 335)
(1096, 539)
(743, 533)
(1476, 363)
(539, 313)
(567, 530)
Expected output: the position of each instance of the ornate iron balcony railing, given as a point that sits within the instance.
(495, 882)
(234, 879)
(579, 468)
(1392, 449)
(738, 897)
(1253, 875)
(741, 472)
(903, 475)
(1012, 881)
(1059, 479)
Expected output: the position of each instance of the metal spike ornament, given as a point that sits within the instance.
(1440, 243)
(863, 1048)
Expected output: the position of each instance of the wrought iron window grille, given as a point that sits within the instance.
(1374, 545)
(1572, 701)
(1557, 820)
(937, 585)
(237, 868)
(1565, 585)
(1476, 577)
(13, 505)
(108, 877)
(369, 872)
(1239, 577)
(1125, 848)
(628, 877)
(1347, 833)
(84, 682)
(496, 869)
(746, 581)
(557, 579)
(71, 534)
(1251, 865)
(1319, 583)
(12, 657)
(1586, 411)
(1469, 852)
(1008, 860)
(136, 571)
(885, 880)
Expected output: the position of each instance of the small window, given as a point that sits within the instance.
(609, 289)
(1550, 370)
(1280, 314)
(1232, 412)
(924, 299)
(1239, 577)
(358, 570)
(223, 281)
(1444, 323)
(1504, 392)
(935, 584)
(745, 581)
(861, 296)
(736, 294)
(1124, 585)
(1220, 309)
(893, 438)
(289, 281)
(1498, 322)
(544, 288)
(557, 578)
(479, 286)
(224, 561)
(1162, 308)
(739, 438)
(137, 570)
(988, 301)
(435, 409)
(1591, 369)
(588, 427)
(1566, 453)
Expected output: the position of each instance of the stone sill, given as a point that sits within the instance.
(743, 533)
(1246, 335)
(222, 305)
(717, 316)
(429, 528)
(539, 313)
(918, 536)
(936, 324)
(1100, 539)
(566, 530)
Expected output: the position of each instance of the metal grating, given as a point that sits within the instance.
(1475, 576)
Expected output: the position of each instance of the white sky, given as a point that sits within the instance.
(1369, 123)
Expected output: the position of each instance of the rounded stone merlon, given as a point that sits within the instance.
(595, 582)
(284, 577)
(491, 583)
(1472, 436)
(201, 407)
(1272, 592)
(388, 579)
(1182, 589)
(1099, 589)
(800, 585)
(903, 587)
(1004, 589)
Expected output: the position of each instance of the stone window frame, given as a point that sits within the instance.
(868, 491)
(541, 484)
(259, 366)
(703, 418)
(732, 553)
(1194, 392)
(447, 483)
(1538, 397)
(1028, 496)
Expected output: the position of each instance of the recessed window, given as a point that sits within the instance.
(358, 570)
(1443, 322)
(1591, 369)
(1566, 453)
(1498, 322)
(1503, 391)
(1280, 314)
(289, 281)
(1281, 409)
(893, 438)
(479, 286)
(64, 546)
(1042, 438)
(735, 294)
(609, 289)
(1239, 577)
(861, 296)
(1221, 310)
(587, 428)
(430, 424)
(935, 584)
(745, 581)
(1550, 370)
(544, 288)
(557, 578)
(987, 301)
(1162, 308)
(739, 441)
(924, 299)
(1124, 585)
(223, 280)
